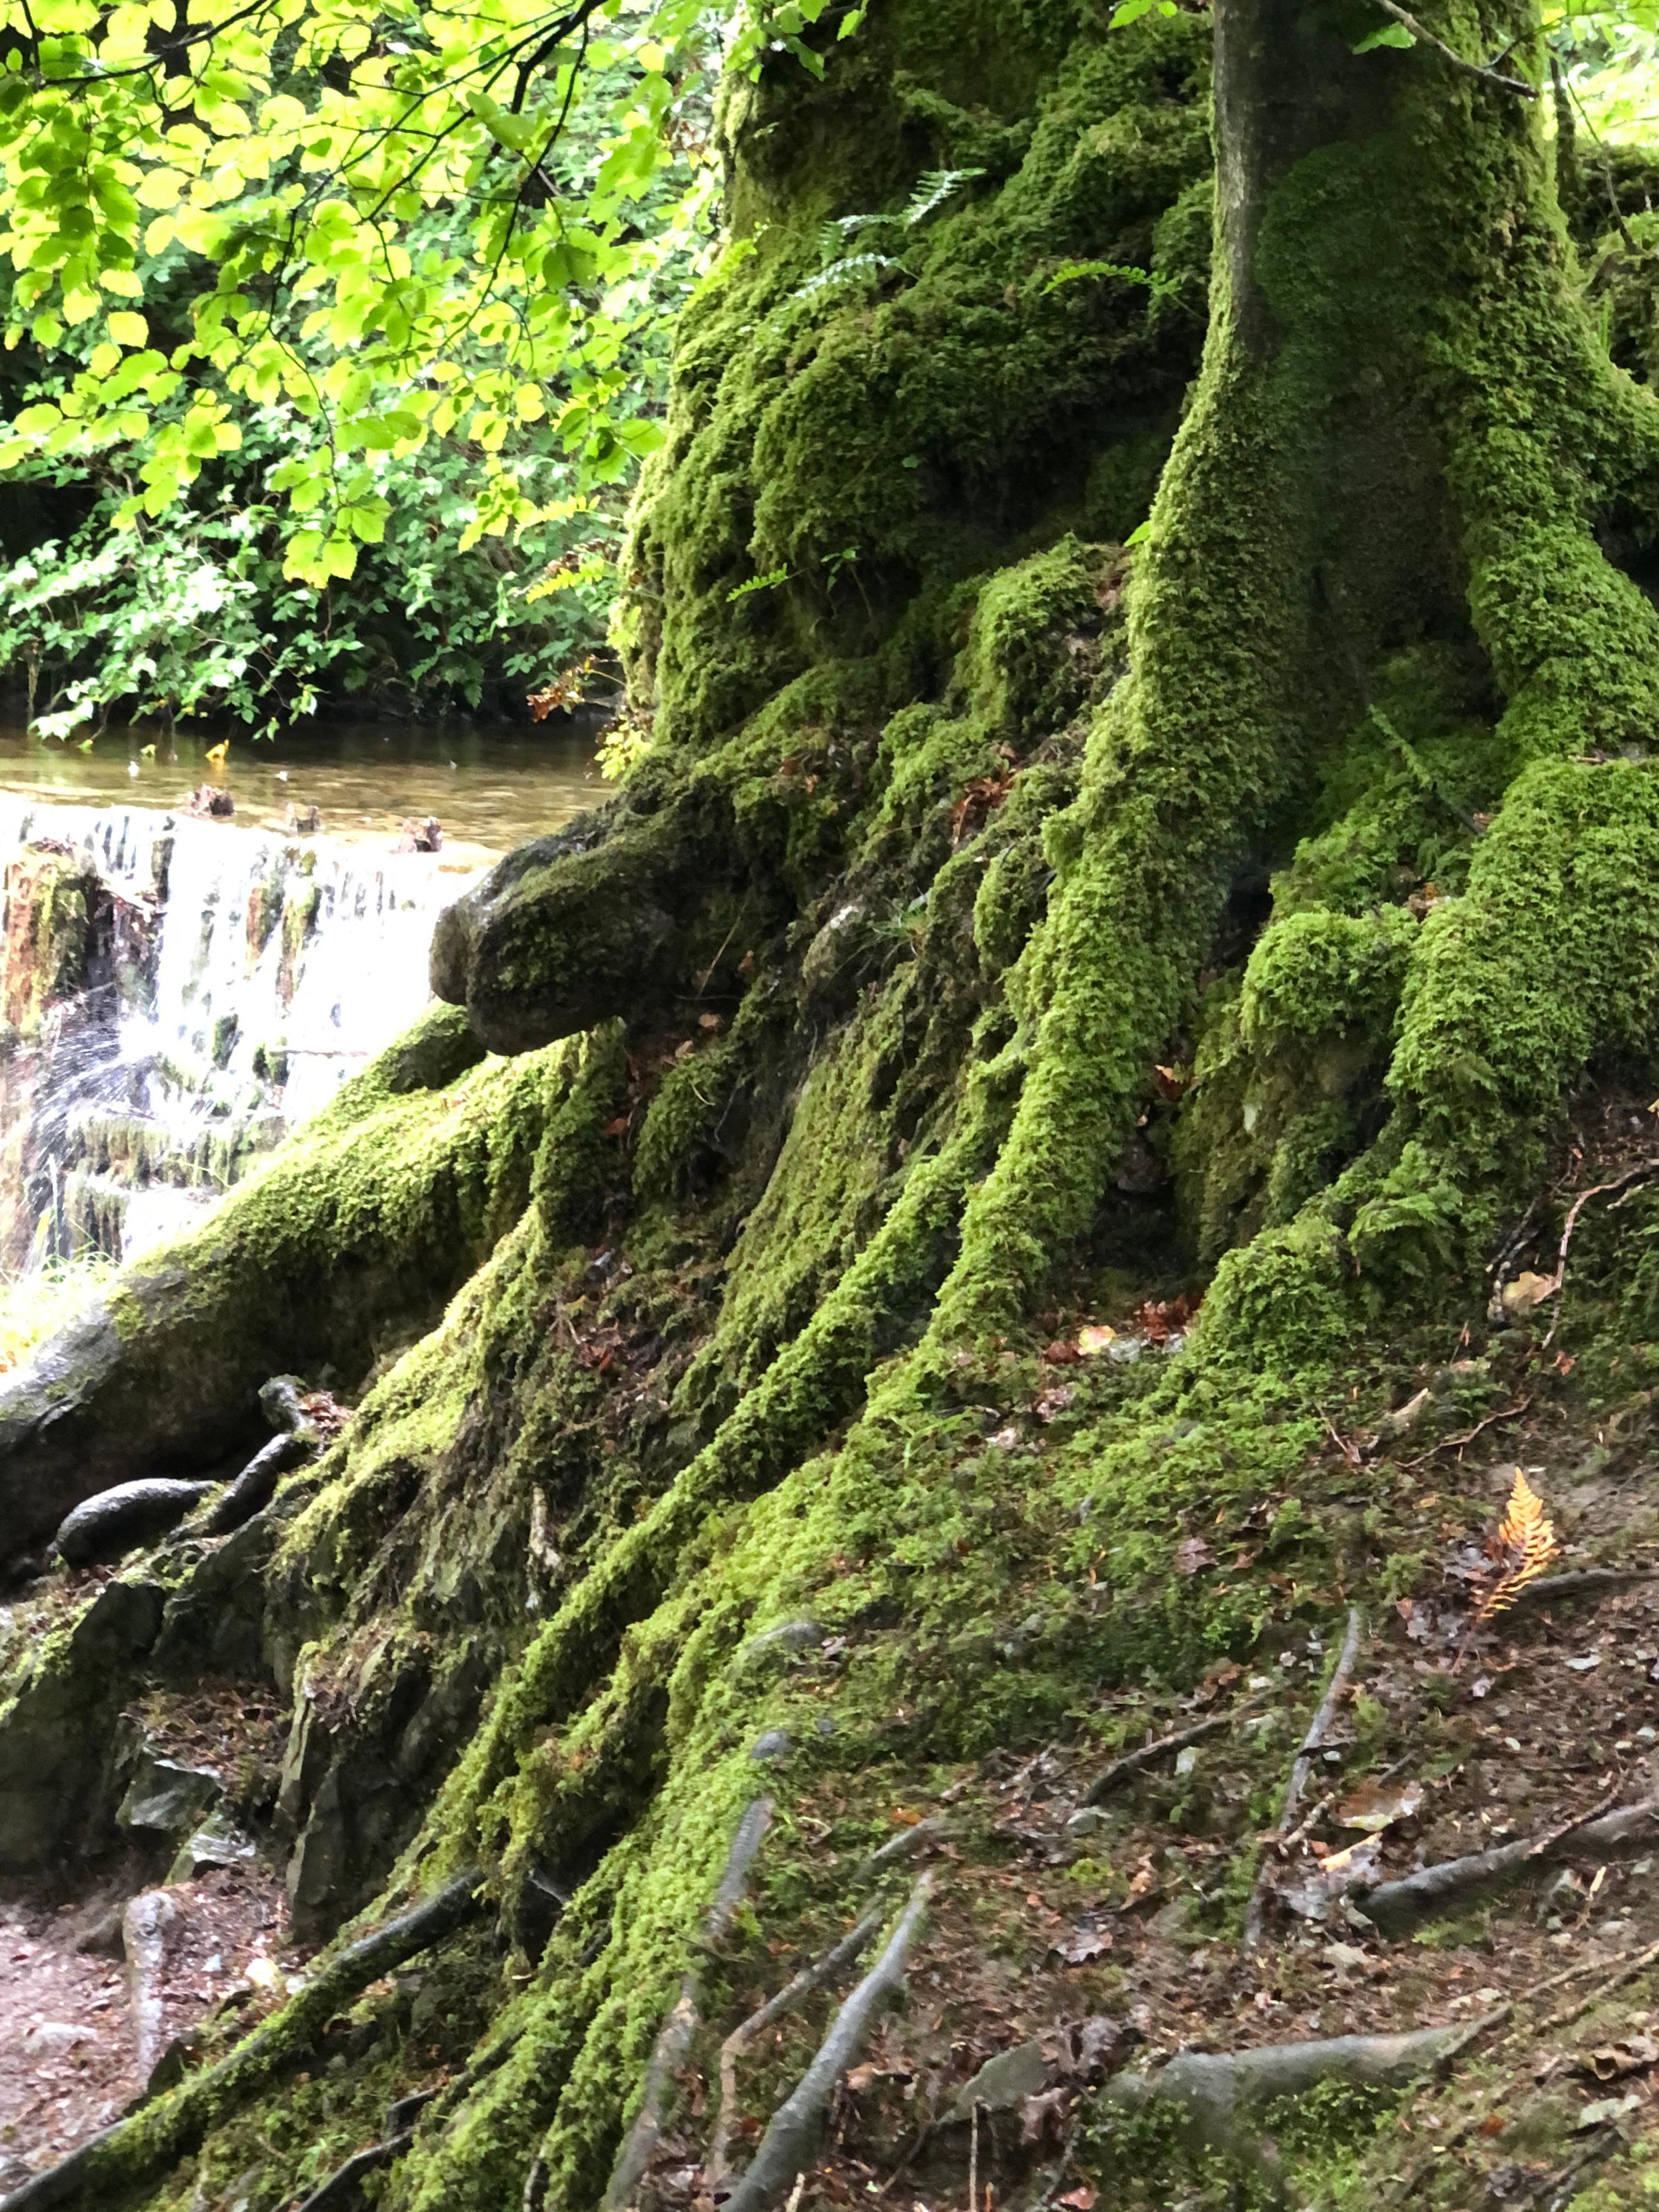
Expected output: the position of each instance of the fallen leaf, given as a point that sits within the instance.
(1082, 1945)
(1191, 1554)
(1376, 1806)
(1611, 2062)
(1604, 2110)
(1080, 2200)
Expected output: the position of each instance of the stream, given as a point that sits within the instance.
(180, 990)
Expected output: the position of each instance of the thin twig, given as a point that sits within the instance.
(1631, 1968)
(973, 2159)
(1301, 1766)
(1456, 1444)
(1479, 70)
(1637, 1173)
(1133, 1761)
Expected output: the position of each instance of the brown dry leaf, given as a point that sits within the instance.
(1192, 1554)
(1082, 1945)
(1611, 2062)
(1043, 2117)
(1376, 1806)
(1327, 1879)
(1080, 2200)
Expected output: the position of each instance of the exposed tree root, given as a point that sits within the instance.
(800, 1986)
(684, 2016)
(1395, 1904)
(147, 2141)
(1219, 2096)
(1255, 1914)
(793, 2135)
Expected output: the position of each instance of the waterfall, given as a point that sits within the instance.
(179, 993)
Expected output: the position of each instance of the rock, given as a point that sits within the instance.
(100, 1938)
(773, 1744)
(303, 821)
(1003, 2084)
(789, 1636)
(165, 1797)
(832, 965)
(115, 1522)
(209, 800)
(419, 834)
(217, 1843)
(44, 2037)
(1088, 1820)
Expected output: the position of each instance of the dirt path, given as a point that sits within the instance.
(68, 2056)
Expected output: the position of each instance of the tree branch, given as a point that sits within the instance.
(1404, 17)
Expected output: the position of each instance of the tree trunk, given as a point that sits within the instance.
(1012, 928)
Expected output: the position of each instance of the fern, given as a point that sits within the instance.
(843, 272)
(1522, 1549)
(933, 188)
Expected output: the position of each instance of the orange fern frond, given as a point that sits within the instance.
(1522, 1548)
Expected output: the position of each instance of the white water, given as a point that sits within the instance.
(211, 1045)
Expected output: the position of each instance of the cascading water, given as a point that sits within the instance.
(177, 993)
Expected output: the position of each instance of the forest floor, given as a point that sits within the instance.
(1068, 1940)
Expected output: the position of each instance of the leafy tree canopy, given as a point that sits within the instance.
(373, 225)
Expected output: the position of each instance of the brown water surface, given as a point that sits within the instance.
(489, 787)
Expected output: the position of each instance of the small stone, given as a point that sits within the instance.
(1187, 1758)
(1087, 1820)
(774, 1745)
(1003, 2084)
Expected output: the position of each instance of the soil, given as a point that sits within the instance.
(67, 2056)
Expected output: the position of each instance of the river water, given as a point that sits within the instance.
(241, 968)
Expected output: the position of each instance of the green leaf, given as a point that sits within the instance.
(1391, 34)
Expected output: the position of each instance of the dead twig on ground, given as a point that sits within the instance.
(1626, 1970)
(1640, 1173)
(1131, 1762)
(1468, 1436)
